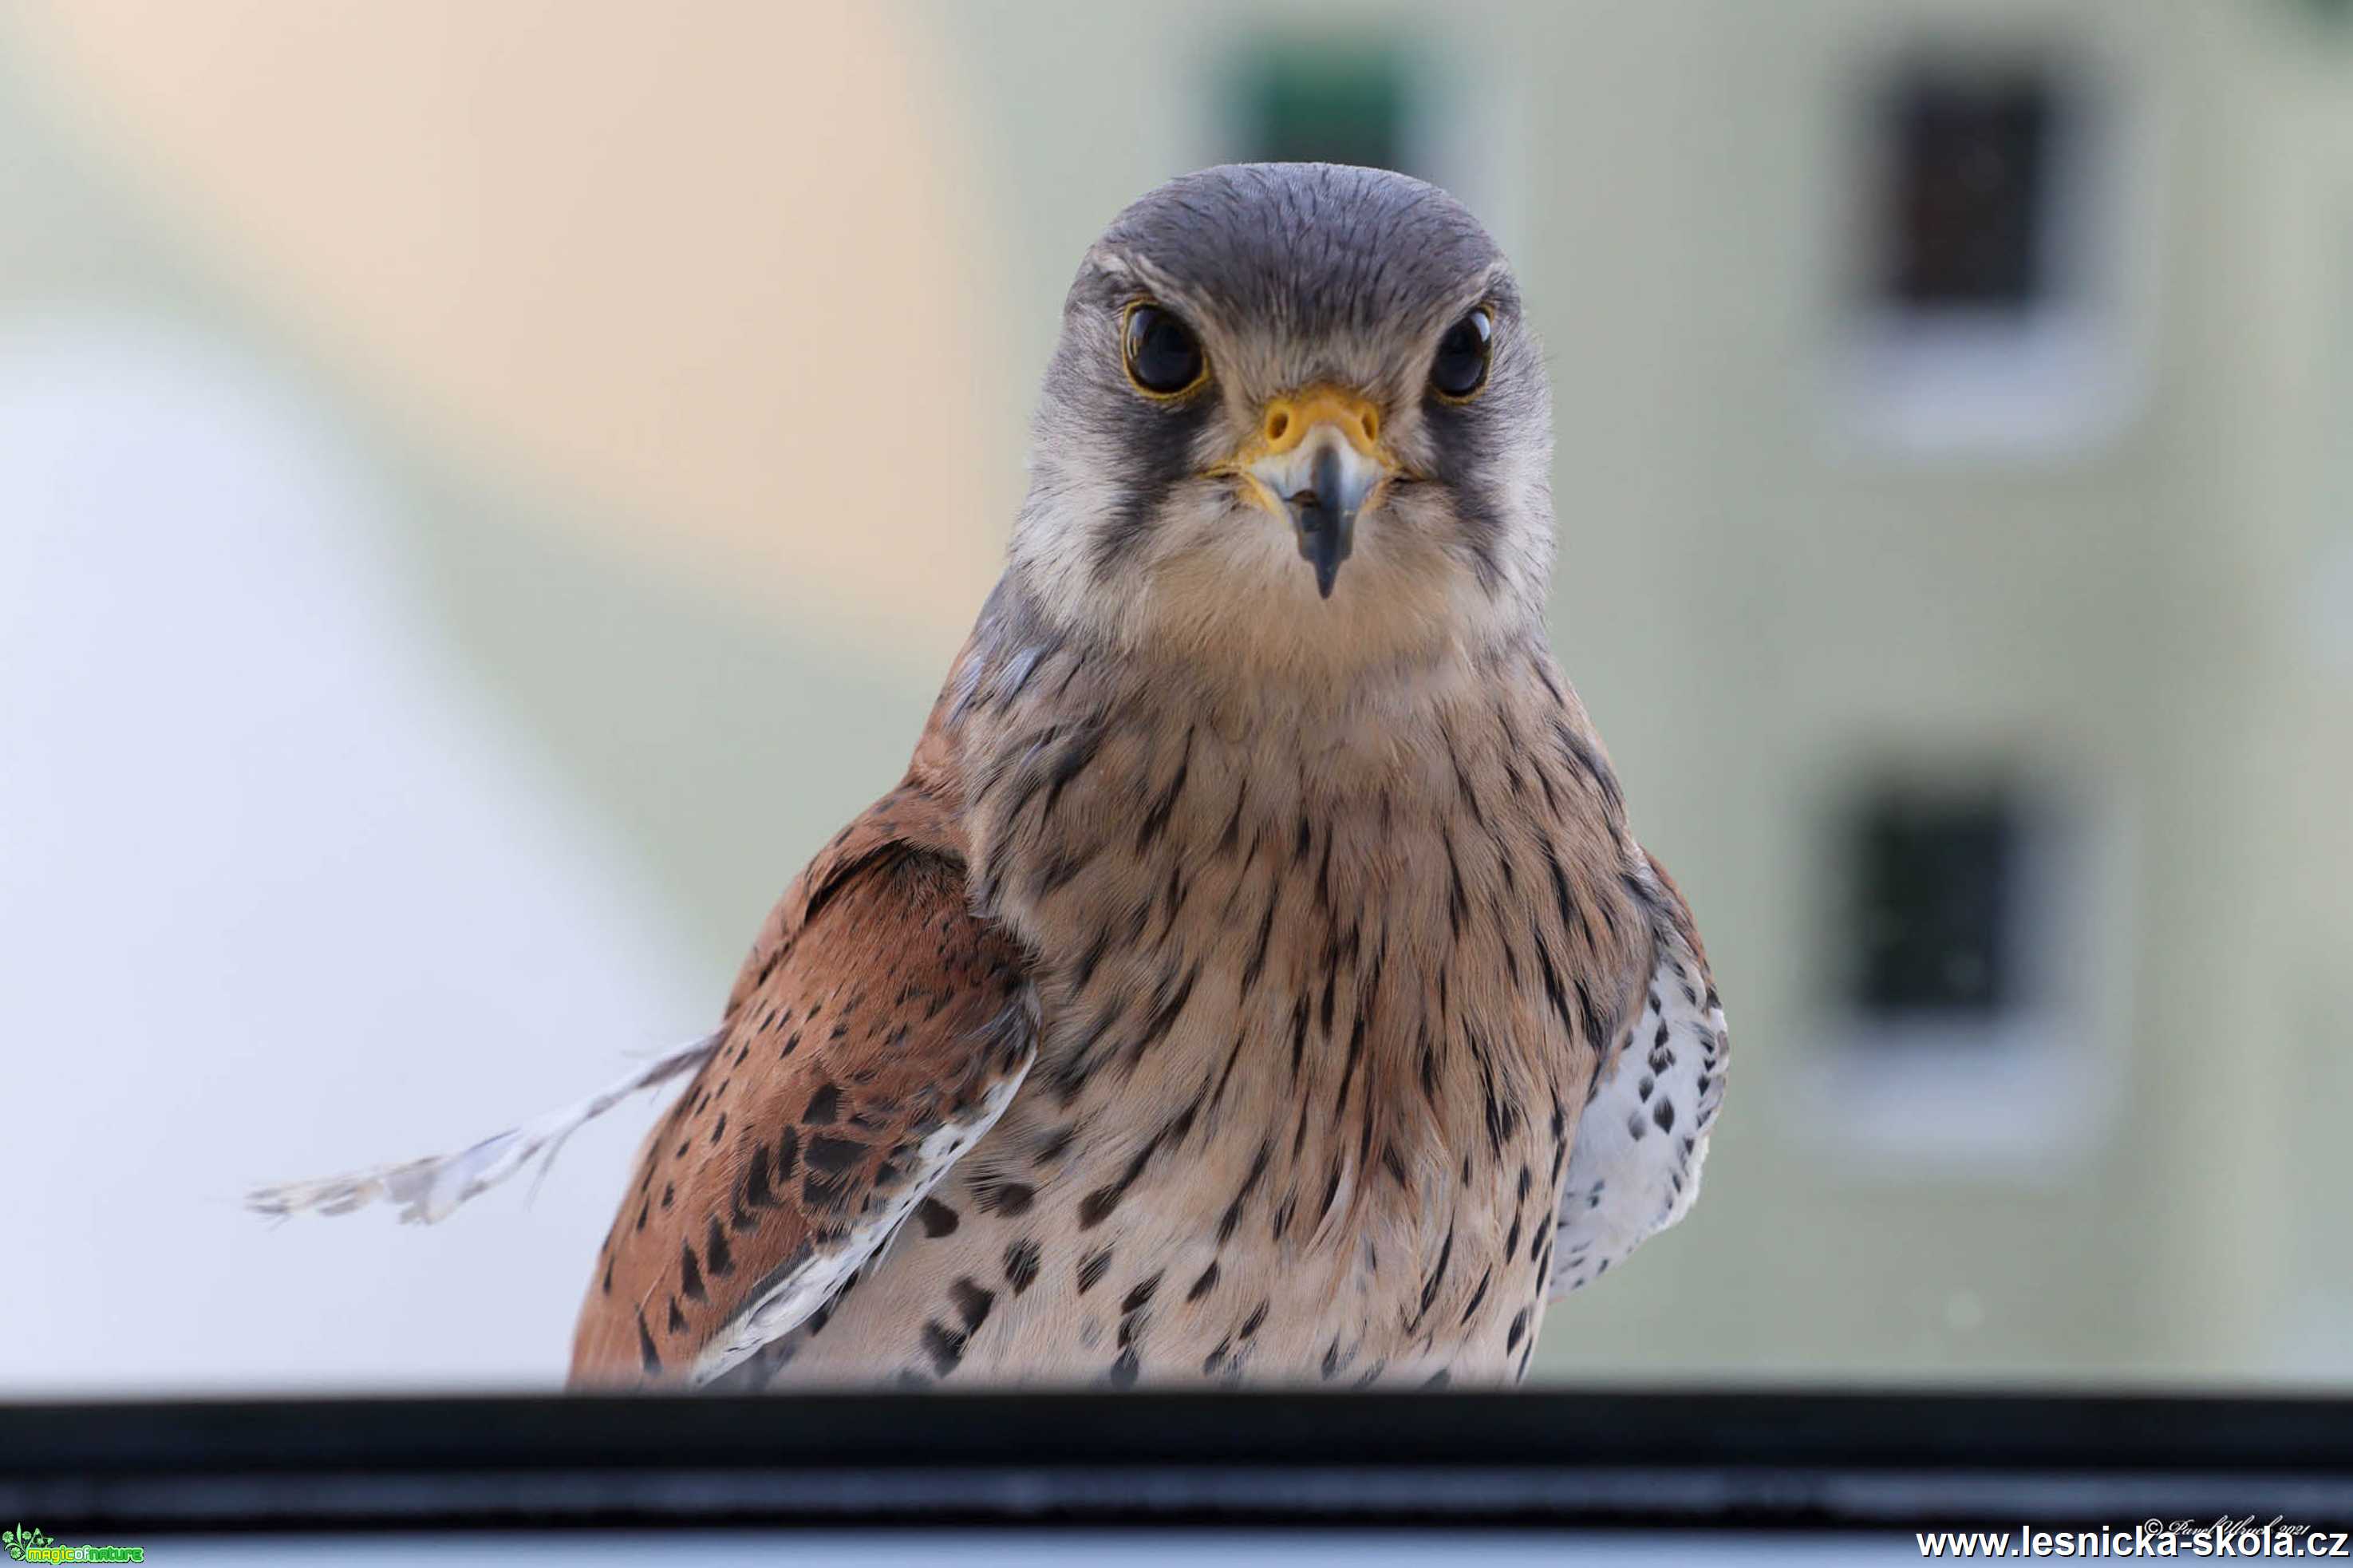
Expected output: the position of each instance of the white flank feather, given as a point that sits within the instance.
(432, 1189)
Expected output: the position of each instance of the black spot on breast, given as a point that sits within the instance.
(938, 1219)
(1479, 1294)
(1074, 759)
(1519, 1326)
(1233, 1214)
(1124, 1370)
(824, 1105)
(1007, 1198)
(971, 1302)
(1203, 1285)
(652, 1363)
(945, 1346)
(1437, 1275)
(690, 1274)
(1092, 1268)
(1021, 1265)
(1394, 1163)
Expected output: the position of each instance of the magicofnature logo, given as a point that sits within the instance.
(25, 1544)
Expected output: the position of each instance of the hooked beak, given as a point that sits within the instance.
(1318, 458)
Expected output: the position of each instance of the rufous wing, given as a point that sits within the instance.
(878, 1031)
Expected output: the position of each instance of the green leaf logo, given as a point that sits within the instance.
(22, 1540)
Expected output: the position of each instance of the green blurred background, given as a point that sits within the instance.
(486, 488)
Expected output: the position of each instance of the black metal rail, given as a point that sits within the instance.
(1741, 1460)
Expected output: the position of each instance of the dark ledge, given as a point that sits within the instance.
(1704, 1460)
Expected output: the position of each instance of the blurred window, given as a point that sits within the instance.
(1968, 208)
(1934, 901)
(1328, 105)
(1995, 298)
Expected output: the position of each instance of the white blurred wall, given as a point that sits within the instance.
(280, 895)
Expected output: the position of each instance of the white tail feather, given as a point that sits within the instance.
(431, 1189)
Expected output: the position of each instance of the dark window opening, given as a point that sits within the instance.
(1327, 105)
(1967, 211)
(1933, 902)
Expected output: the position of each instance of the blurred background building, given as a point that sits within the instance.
(486, 488)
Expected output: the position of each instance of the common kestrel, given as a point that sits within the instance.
(1254, 976)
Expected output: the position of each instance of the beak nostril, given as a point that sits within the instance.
(1277, 423)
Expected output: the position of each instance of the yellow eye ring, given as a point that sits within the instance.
(1162, 359)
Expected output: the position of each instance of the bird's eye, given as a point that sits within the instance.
(1461, 368)
(1164, 357)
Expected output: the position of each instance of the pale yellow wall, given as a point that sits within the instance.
(716, 274)
(694, 442)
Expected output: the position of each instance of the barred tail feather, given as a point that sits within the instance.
(431, 1189)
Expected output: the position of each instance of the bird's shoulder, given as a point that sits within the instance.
(918, 825)
(875, 1033)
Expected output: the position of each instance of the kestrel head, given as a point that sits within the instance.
(1294, 418)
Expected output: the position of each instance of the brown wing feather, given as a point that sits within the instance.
(875, 1031)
